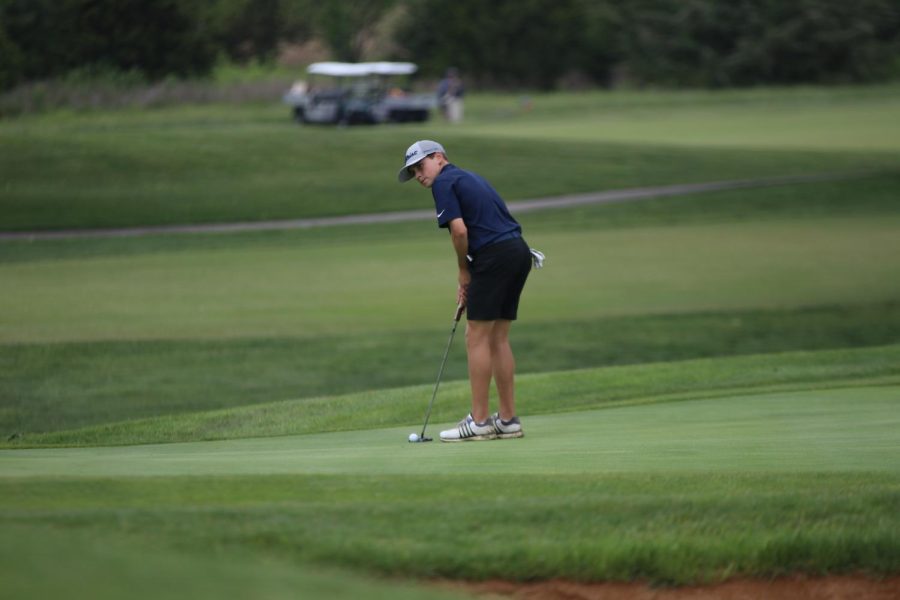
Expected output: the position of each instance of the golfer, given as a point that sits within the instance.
(494, 262)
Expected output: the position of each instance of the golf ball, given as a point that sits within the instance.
(414, 437)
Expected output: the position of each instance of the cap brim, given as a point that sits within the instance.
(404, 175)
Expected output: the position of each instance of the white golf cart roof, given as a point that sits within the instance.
(342, 69)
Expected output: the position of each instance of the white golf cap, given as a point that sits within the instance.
(416, 153)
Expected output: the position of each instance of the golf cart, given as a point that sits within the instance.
(358, 93)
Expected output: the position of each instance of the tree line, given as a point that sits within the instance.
(504, 43)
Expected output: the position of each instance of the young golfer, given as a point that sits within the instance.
(494, 262)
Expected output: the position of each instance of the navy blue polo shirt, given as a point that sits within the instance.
(462, 194)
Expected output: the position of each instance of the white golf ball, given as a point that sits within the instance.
(414, 437)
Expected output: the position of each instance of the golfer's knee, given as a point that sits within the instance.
(499, 338)
(477, 335)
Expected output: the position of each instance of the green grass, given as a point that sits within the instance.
(827, 430)
(872, 195)
(221, 164)
(107, 330)
(317, 289)
(759, 484)
(490, 107)
(48, 561)
(51, 387)
(538, 393)
(625, 527)
(802, 120)
(708, 383)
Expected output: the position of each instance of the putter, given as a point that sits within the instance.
(459, 311)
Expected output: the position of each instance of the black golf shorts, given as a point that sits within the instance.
(498, 274)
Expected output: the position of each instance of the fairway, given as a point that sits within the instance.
(822, 431)
(867, 124)
(308, 289)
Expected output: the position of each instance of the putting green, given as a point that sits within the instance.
(809, 431)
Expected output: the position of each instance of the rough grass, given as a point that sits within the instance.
(51, 387)
(660, 528)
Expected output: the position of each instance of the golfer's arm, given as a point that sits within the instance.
(459, 236)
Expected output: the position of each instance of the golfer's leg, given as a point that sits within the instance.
(478, 348)
(504, 368)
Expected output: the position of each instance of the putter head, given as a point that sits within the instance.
(425, 439)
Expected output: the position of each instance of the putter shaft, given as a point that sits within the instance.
(459, 311)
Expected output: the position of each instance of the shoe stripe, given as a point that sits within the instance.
(468, 429)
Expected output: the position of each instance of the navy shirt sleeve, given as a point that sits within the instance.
(446, 203)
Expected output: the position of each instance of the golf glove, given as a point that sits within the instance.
(537, 258)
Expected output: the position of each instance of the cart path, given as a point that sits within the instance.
(515, 207)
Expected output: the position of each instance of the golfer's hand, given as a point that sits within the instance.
(464, 278)
(461, 296)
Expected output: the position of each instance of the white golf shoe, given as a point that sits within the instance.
(468, 430)
(507, 429)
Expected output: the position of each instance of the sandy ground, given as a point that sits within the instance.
(787, 588)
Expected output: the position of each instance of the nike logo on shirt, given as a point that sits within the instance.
(440, 213)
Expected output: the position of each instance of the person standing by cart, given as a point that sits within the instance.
(450, 94)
